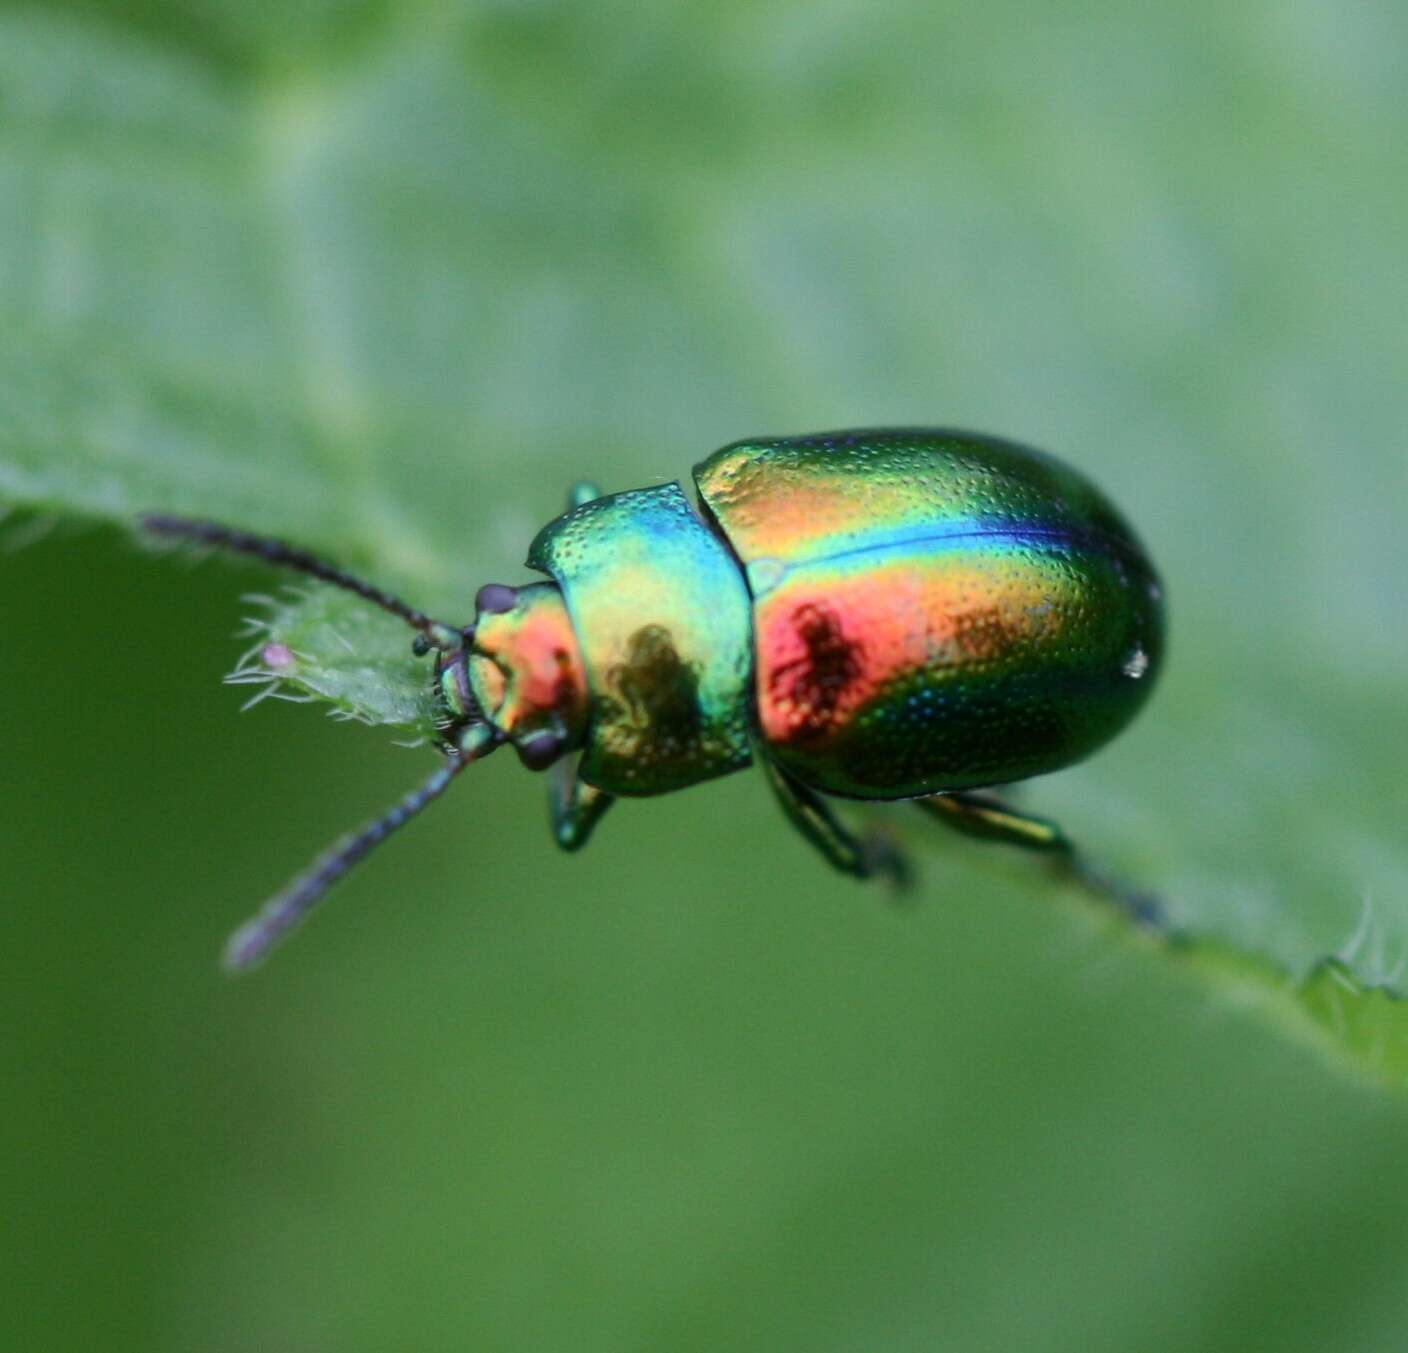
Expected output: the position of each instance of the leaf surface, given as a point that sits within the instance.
(390, 301)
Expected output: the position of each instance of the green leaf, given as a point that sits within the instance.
(384, 281)
(315, 646)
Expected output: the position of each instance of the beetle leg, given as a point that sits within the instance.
(988, 817)
(574, 806)
(984, 815)
(581, 493)
(861, 857)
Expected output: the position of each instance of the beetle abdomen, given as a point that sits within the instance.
(932, 610)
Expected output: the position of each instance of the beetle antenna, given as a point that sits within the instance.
(287, 908)
(435, 633)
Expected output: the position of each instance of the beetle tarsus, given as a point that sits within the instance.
(886, 861)
(1143, 909)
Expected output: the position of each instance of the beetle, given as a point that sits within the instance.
(880, 614)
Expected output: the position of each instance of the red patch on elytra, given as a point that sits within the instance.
(813, 687)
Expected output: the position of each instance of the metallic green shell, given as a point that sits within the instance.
(662, 618)
(933, 610)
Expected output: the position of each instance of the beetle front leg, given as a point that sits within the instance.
(574, 806)
(988, 817)
(861, 857)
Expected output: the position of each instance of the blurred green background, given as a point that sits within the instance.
(388, 276)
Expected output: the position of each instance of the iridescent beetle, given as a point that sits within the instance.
(884, 614)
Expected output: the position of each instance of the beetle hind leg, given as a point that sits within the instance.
(988, 817)
(871, 855)
(983, 815)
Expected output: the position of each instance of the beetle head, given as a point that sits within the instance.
(519, 678)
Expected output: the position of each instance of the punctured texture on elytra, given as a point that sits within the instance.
(933, 610)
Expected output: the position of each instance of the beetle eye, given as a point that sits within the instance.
(495, 598)
(539, 749)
